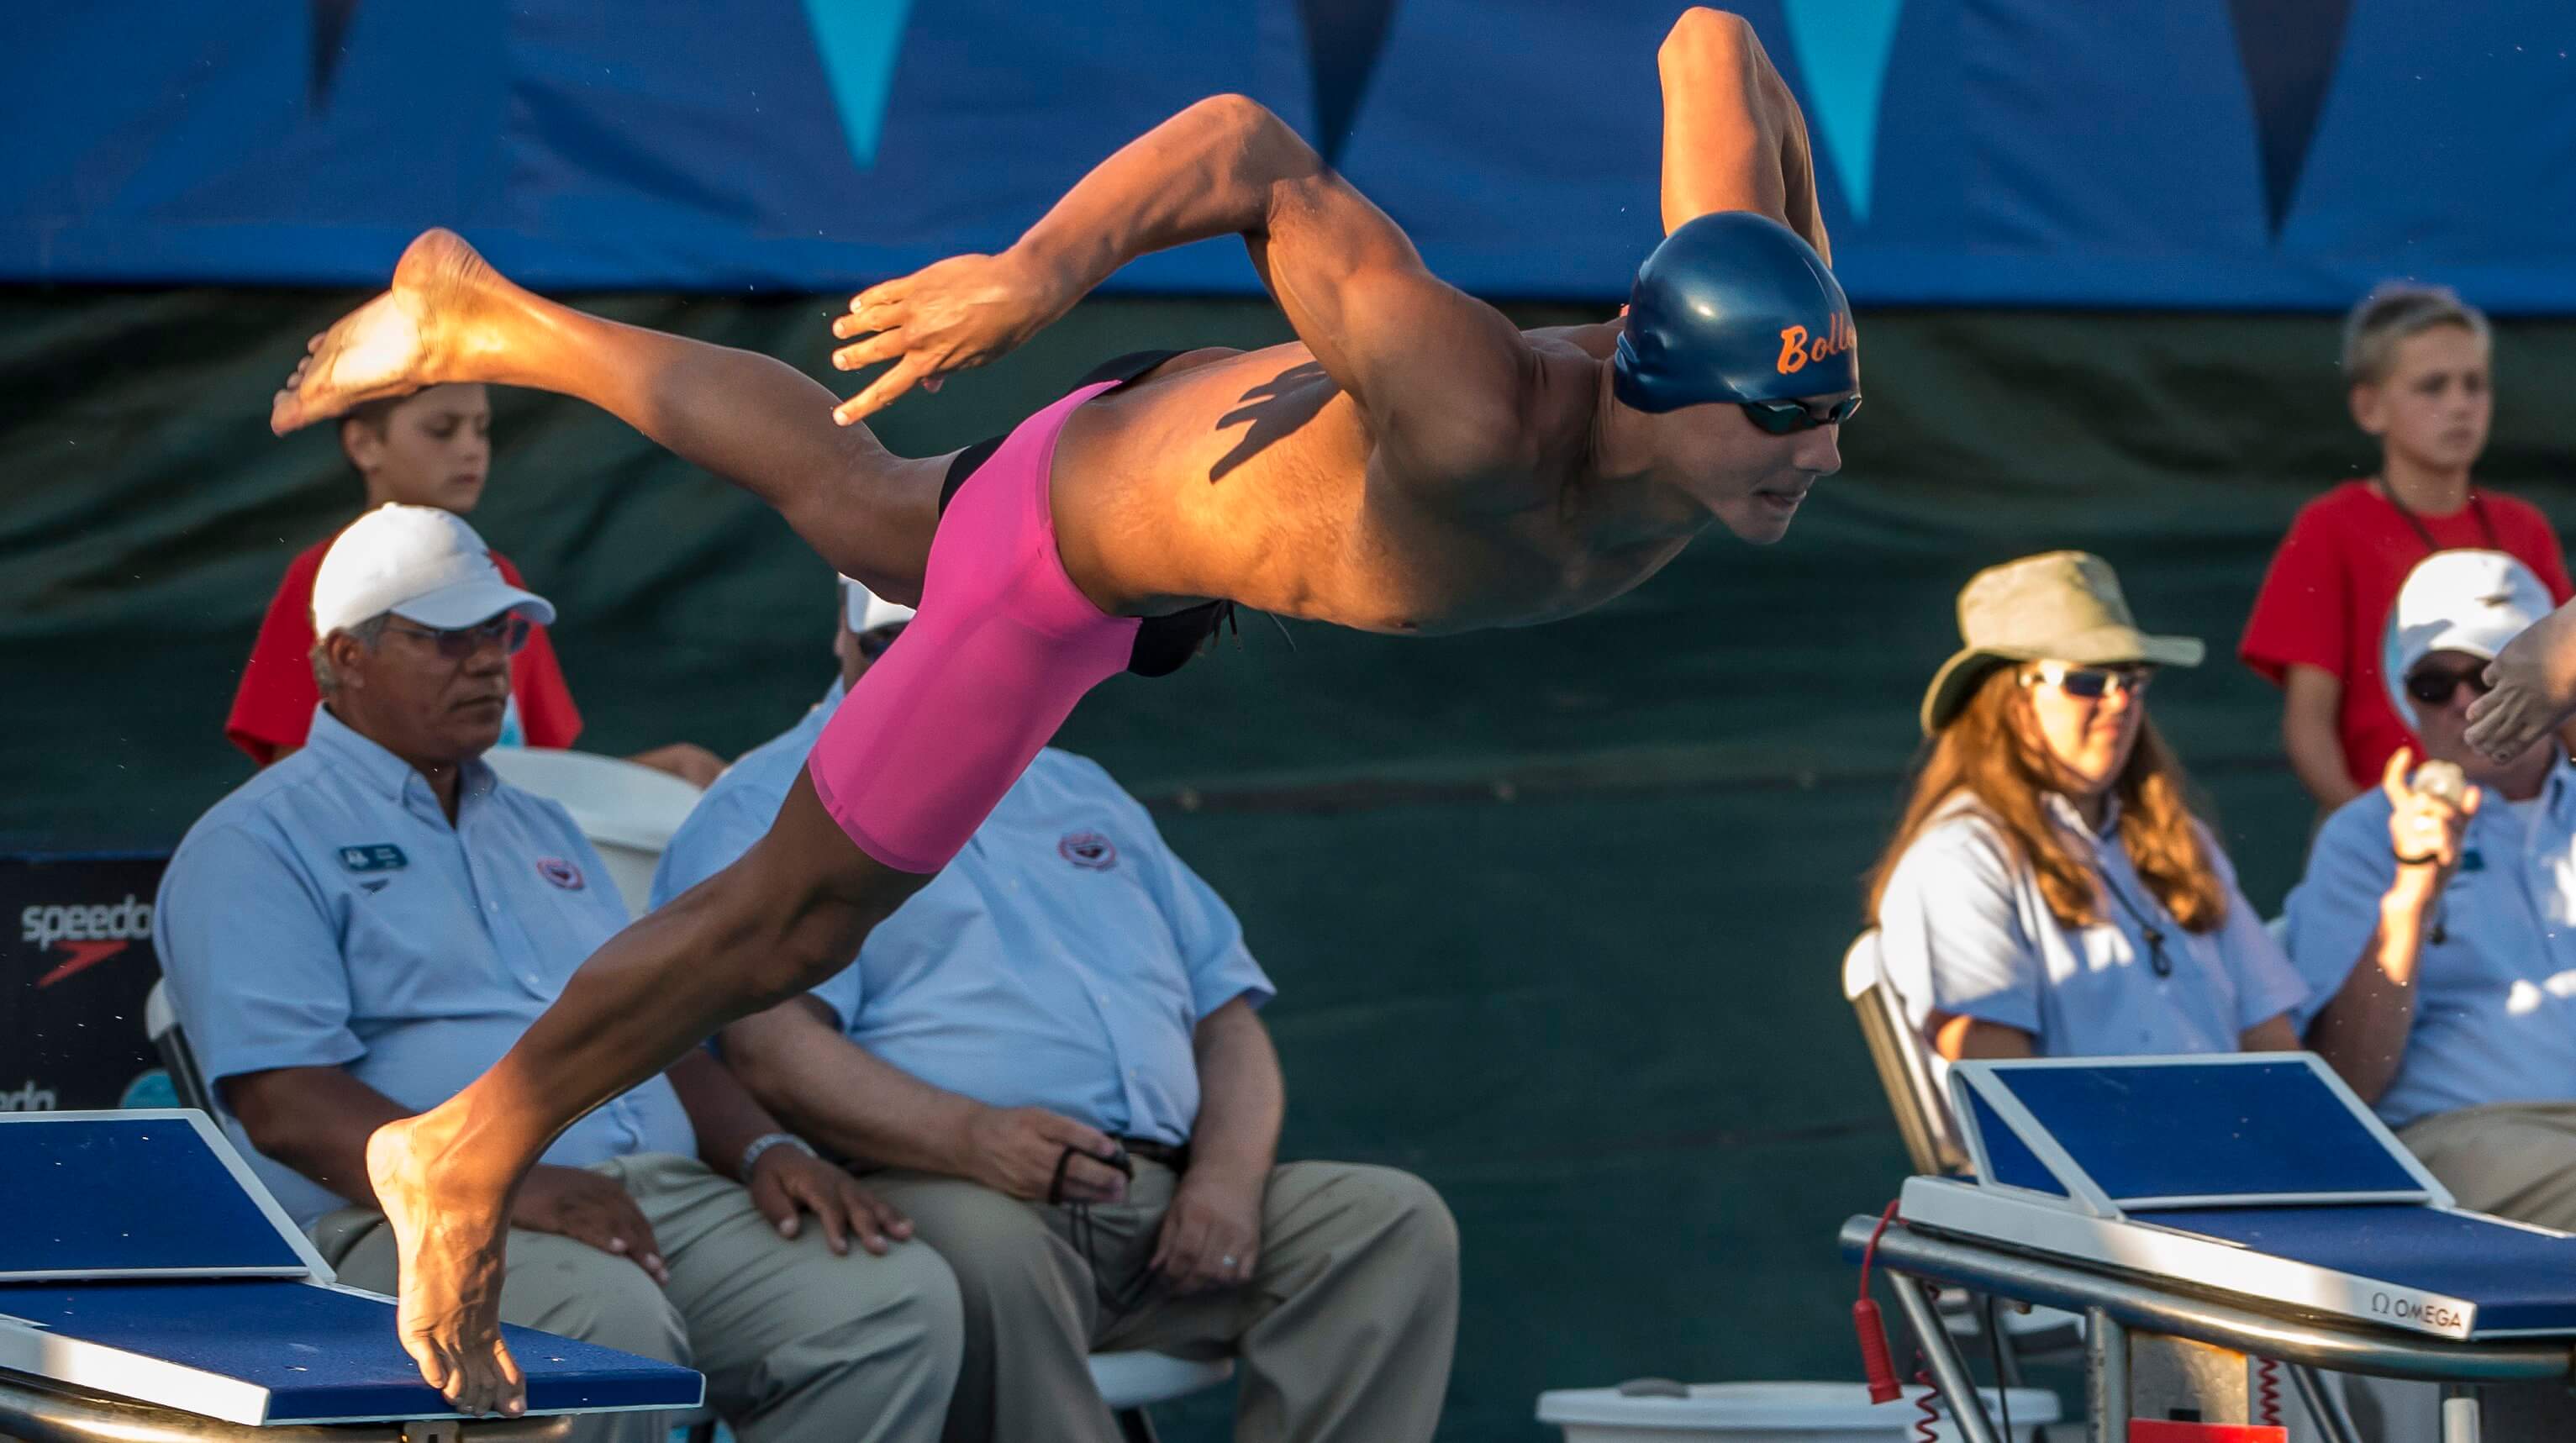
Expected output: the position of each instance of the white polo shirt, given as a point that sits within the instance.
(327, 914)
(1964, 930)
(2495, 1003)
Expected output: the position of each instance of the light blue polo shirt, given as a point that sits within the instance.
(1963, 929)
(326, 915)
(1061, 961)
(2495, 998)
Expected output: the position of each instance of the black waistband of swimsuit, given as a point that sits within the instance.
(1163, 643)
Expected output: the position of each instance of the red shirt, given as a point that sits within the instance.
(2326, 599)
(274, 707)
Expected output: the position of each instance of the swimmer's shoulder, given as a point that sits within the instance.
(1192, 360)
(1174, 364)
(1596, 342)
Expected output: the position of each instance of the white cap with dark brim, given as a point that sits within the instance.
(867, 611)
(2465, 601)
(421, 564)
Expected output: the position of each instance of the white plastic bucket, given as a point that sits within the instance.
(1769, 1413)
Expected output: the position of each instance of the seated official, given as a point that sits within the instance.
(2439, 936)
(2048, 892)
(429, 448)
(1053, 1055)
(366, 926)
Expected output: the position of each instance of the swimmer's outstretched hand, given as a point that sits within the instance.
(959, 313)
(2531, 688)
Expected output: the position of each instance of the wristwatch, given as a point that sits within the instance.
(764, 1143)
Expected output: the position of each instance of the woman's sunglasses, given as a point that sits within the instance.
(2092, 683)
(2435, 686)
(1782, 418)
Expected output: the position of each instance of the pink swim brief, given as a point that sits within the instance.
(1003, 646)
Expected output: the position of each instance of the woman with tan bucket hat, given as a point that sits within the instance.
(2048, 891)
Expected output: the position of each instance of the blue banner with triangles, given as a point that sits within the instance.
(2183, 153)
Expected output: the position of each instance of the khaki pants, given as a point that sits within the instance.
(1343, 1333)
(2513, 1159)
(798, 1346)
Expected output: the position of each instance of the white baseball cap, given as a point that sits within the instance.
(867, 610)
(2467, 601)
(420, 563)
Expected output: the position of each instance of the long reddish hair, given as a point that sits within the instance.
(1991, 751)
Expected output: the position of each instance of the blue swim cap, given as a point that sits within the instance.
(1734, 306)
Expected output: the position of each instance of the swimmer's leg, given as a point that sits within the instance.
(757, 422)
(787, 915)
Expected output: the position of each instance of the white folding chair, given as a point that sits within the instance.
(1912, 1078)
(1131, 1382)
(627, 811)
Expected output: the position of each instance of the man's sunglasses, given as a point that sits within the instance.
(2435, 686)
(2092, 683)
(510, 631)
(1782, 418)
(874, 641)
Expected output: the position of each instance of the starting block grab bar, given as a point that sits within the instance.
(52, 1413)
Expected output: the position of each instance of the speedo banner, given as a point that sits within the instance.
(76, 966)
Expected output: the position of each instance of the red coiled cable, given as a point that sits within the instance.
(1871, 1329)
(1927, 1429)
(2267, 1392)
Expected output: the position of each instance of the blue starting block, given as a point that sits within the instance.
(142, 1263)
(2247, 1201)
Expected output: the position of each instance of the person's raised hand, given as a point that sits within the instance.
(2424, 831)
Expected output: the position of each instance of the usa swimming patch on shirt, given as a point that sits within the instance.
(381, 857)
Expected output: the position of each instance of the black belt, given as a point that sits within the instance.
(1078, 1223)
(1175, 1156)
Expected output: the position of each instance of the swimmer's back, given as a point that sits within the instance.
(1258, 469)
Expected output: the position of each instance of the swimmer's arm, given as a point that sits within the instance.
(1734, 138)
(1444, 380)
(1209, 171)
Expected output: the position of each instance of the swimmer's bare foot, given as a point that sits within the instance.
(445, 308)
(449, 1229)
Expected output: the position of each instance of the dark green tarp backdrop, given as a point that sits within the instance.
(1556, 914)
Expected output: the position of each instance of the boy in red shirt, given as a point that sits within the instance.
(2417, 360)
(430, 448)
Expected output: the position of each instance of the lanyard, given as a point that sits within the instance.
(2477, 508)
(2154, 934)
